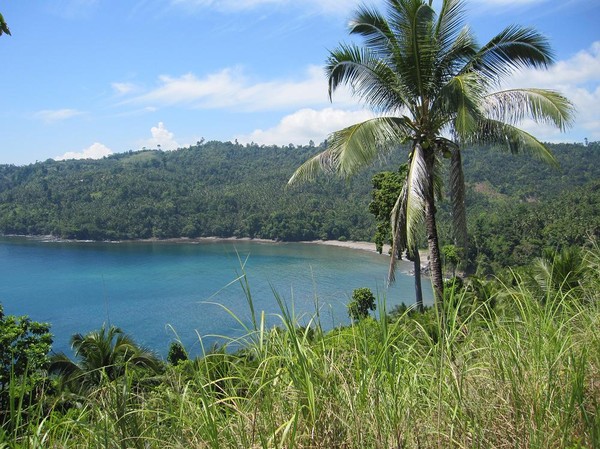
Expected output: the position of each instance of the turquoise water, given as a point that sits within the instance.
(157, 291)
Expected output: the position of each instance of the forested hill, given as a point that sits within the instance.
(225, 189)
(517, 206)
(214, 189)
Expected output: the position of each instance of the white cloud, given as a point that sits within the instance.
(94, 151)
(230, 88)
(510, 2)
(578, 78)
(56, 115)
(123, 88)
(492, 6)
(328, 6)
(305, 125)
(162, 137)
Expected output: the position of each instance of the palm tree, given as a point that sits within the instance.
(433, 87)
(559, 271)
(104, 355)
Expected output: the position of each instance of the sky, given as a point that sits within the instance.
(88, 78)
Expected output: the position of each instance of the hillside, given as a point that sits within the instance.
(225, 189)
(215, 189)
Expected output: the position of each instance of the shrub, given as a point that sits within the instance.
(363, 300)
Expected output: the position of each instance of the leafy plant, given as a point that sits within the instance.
(362, 302)
(24, 348)
(102, 356)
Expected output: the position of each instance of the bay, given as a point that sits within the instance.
(162, 291)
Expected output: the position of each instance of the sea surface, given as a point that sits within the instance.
(162, 291)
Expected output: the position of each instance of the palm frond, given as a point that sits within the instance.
(399, 236)
(450, 21)
(414, 47)
(62, 365)
(460, 50)
(3, 26)
(417, 188)
(517, 140)
(370, 24)
(355, 147)
(460, 98)
(369, 78)
(542, 105)
(514, 48)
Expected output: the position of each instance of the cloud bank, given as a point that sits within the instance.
(161, 138)
(231, 88)
(305, 125)
(94, 151)
(578, 78)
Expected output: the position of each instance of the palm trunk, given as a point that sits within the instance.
(435, 260)
(418, 290)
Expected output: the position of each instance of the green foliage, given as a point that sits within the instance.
(386, 190)
(177, 353)
(103, 356)
(362, 302)
(215, 189)
(513, 233)
(559, 271)
(502, 367)
(452, 257)
(3, 26)
(24, 348)
(222, 189)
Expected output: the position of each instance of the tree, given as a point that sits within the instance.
(387, 187)
(424, 73)
(104, 355)
(452, 257)
(177, 353)
(559, 271)
(24, 347)
(363, 300)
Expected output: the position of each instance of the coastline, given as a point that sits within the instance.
(350, 244)
(369, 246)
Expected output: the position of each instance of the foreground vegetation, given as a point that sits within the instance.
(517, 365)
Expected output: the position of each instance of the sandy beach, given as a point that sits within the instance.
(368, 246)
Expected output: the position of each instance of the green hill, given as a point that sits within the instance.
(517, 205)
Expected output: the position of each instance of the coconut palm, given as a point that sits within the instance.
(104, 355)
(434, 88)
(559, 271)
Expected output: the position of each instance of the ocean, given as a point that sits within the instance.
(163, 291)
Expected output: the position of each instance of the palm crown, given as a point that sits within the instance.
(432, 86)
(104, 354)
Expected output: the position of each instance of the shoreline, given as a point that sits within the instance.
(356, 245)
(369, 246)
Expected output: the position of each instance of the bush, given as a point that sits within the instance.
(363, 300)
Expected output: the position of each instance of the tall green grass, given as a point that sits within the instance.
(513, 370)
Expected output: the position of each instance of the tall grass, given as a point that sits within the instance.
(524, 375)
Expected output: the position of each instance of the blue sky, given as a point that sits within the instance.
(84, 78)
